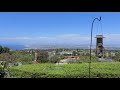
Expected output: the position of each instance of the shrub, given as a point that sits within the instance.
(3, 69)
(42, 56)
(98, 70)
(54, 59)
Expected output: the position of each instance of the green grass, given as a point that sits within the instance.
(98, 70)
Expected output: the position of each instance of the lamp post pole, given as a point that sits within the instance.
(91, 41)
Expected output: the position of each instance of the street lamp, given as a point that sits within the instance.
(91, 41)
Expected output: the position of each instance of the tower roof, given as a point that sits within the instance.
(99, 36)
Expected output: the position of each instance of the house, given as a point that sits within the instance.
(66, 52)
(68, 59)
(72, 57)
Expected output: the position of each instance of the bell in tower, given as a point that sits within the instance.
(99, 46)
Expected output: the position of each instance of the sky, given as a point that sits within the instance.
(48, 28)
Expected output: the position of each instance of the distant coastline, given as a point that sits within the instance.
(22, 47)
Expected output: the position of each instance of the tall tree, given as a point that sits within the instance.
(42, 56)
(1, 49)
(6, 50)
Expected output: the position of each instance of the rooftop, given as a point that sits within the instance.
(99, 36)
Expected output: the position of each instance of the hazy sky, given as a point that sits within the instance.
(57, 27)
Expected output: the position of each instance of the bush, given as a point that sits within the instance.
(4, 49)
(87, 59)
(42, 56)
(98, 70)
(54, 59)
(3, 69)
(16, 56)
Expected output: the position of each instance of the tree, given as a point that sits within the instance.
(87, 54)
(54, 59)
(6, 50)
(3, 69)
(1, 49)
(42, 56)
(75, 53)
(117, 56)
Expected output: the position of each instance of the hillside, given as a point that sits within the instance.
(98, 70)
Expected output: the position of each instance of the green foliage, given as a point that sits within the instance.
(16, 56)
(4, 49)
(22, 57)
(5, 57)
(75, 53)
(98, 70)
(1, 49)
(87, 59)
(3, 68)
(117, 56)
(42, 57)
(54, 59)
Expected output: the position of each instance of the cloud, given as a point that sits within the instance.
(65, 38)
(23, 38)
(61, 39)
(112, 37)
(73, 37)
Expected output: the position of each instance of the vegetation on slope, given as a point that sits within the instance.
(98, 70)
